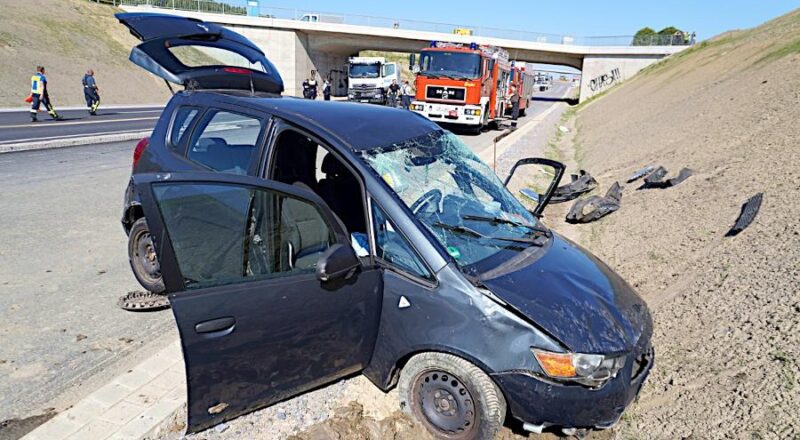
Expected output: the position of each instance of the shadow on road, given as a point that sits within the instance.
(570, 101)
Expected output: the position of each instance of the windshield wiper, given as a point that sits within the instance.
(468, 231)
(500, 220)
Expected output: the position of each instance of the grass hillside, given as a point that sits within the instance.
(726, 309)
(68, 37)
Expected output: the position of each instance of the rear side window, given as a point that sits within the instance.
(181, 123)
(226, 141)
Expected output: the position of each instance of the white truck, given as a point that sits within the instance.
(322, 18)
(369, 79)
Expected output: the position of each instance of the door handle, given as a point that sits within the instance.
(215, 325)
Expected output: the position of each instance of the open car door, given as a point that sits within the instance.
(552, 171)
(198, 54)
(269, 297)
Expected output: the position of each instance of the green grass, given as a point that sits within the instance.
(782, 51)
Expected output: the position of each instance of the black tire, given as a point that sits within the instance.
(470, 406)
(522, 112)
(143, 259)
(476, 129)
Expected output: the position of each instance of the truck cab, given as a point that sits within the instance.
(369, 79)
(462, 84)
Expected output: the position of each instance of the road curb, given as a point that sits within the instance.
(73, 142)
(508, 138)
(76, 107)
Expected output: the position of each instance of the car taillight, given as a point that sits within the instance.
(238, 70)
(139, 150)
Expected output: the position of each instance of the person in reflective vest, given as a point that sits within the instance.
(91, 92)
(40, 96)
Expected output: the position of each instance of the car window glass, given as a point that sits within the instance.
(204, 56)
(226, 142)
(392, 246)
(183, 119)
(224, 234)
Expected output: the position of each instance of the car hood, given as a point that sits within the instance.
(576, 298)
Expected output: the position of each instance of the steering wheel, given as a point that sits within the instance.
(432, 197)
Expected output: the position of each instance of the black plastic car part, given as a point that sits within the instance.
(581, 184)
(655, 179)
(747, 215)
(596, 207)
(640, 173)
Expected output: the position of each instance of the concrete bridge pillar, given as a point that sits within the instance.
(601, 72)
(294, 55)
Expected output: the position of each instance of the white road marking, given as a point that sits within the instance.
(67, 136)
(61, 124)
(134, 112)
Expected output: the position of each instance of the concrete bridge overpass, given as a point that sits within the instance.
(297, 47)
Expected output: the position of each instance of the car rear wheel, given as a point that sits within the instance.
(143, 258)
(453, 399)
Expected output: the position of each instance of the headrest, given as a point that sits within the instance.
(333, 166)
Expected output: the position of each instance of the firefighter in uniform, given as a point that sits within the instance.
(40, 96)
(91, 92)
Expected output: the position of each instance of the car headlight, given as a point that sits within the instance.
(592, 370)
(473, 112)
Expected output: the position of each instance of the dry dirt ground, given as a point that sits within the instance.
(68, 37)
(726, 309)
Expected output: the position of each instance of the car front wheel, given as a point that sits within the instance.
(143, 258)
(452, 398)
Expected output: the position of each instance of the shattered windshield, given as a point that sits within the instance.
(457, 196)
(365, 70)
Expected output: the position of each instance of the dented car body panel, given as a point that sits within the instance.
(446, 260)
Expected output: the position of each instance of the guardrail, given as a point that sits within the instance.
(240, 7)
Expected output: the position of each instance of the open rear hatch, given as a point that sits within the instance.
(198, 54)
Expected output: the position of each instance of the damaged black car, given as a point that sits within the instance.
(304, 241)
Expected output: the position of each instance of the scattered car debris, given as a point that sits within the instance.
(140, 301)
(80, 337)
(581, 183)
(747, 215)
(640, 173)
(655, 179)
(596, 207)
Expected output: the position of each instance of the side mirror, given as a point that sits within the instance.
(338, 261)
(415, 69)
(538, 182)
(412, 61)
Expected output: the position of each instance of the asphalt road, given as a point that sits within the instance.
(541, 102)
(16, 126)
(63, 265)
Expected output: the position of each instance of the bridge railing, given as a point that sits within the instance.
(240, 7)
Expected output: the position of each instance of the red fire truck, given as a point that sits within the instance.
(525, 83)
(466, 84)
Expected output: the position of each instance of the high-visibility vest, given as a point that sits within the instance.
(37, 84)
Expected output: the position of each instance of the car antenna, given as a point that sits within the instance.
(170, 87)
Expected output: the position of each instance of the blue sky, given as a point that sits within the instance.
(575, 17)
